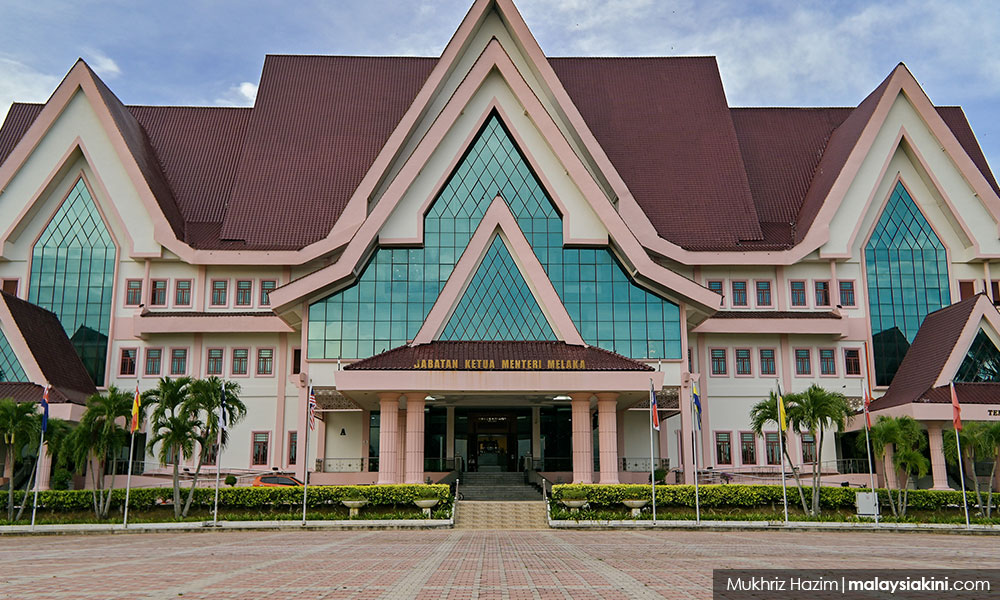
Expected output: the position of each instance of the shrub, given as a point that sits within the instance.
(231, 480)
(61, 479)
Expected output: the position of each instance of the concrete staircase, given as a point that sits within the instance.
(506, 515)
(496, 486)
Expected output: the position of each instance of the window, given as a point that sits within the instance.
(743, 362)
(266, 286)
(297, 361)
(739, 293)
(158, 293)
(718, 361)
(244, 293)
(182, 292)
(748, 448)
(211, 454)
(772, 447)
(240, 358)
(9, 286)
(852, 361)
(153, 358)
(716, 286)
(827, 361)
(293, 447)
(214, 366)
(803, 361)
(723, 448)
(178, 361)
(847, 294)
(995, 289)
(260, 440)
(219, 288)
(808, 448)
(128, 362)
(822, 293)
(763, 293)
(767, 361)
(133, 292)
(966, 289)
(265, 361)
(798, 293)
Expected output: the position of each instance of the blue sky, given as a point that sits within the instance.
(771, 53)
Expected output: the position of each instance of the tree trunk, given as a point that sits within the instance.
(8, 472)
(194, 484)
(111, 488)
(970, 468)
(795, 474)
(817, 470)
(177, 489)
(888, 489)
(989, 496)
(24, 500)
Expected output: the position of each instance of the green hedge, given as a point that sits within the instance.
(238, 497)
(748, 495)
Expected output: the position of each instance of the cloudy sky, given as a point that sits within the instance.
(771, 53)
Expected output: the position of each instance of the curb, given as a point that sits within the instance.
(206, 526)
(779, 526)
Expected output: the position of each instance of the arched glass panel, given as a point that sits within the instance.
(498, 305)
(72, 274)
(397, 288)
(982, 361)
(10, 367)
(907, 279)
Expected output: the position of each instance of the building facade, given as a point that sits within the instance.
(486, 261)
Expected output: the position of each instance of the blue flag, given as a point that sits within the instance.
(697, 403)
(45, 409)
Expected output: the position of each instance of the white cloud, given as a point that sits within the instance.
(243, 94)
(21, 83)
(102, 64)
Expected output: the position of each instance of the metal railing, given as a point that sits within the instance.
(552, 463)
(341, 465)
(443, 464)
(642, 464)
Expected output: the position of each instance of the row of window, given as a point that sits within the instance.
(243, 297)
(748, 448)
(798, 297)
(239, 364)
(766, 365)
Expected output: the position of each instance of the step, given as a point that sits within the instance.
(506, 515)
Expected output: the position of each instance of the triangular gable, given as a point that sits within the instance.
(10, 366)
(499, 221)
(128, 139)
(497, 304)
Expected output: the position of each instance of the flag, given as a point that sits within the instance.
(312, 408)
(782, 418)
(45, 409)
(868, 401)
(222, 408)
(957, 416)
(136, 401)
(653, 411)
(697, 403)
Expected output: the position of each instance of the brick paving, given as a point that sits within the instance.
(451, 565)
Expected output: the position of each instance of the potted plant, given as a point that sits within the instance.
(426, 498)
(635, 499)
(573, 499)
(353, 500)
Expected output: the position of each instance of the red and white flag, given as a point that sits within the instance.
(868, 401)
(957, 416)
(312, 408)
(654, 413)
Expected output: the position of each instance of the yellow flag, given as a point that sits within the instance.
(781, 413)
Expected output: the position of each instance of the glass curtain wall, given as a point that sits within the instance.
(10, 367)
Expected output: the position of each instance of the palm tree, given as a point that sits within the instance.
(174, 425)
(816, 410)
(907, 438)
(204, 400)
(979, 443)
(99, 438)
(55, 436)
(765, 413)
(17, 425)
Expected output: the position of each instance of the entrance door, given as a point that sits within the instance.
(492, 442)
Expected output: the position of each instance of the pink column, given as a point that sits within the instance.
(388, 438)
(415, 438)
(607, 428)
(302, 451)
(45, 468)
(583, 445)
(320, 432)
(401, 445)
(687, 427)
(940, 475)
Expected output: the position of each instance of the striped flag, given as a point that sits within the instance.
(868, 401)
(136, 402)
(957, 412)
(782, 417)
(312, 408)
(696, 400)
(45, 408)
(654, 412)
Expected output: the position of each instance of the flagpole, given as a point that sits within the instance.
(305, 458)
(38, 466)
(128, 477)
(961, 477)
(781, 450)
(652, 463)
(866, 392)
(694, 449)
(218, 456)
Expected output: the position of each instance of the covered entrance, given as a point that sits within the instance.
(496, 441)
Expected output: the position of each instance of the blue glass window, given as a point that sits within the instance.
(739, 293)
(72, 274)
(498, 304)
(798, 293)
(982, 361)
(10, 367)
(388, 303)
(907, 272)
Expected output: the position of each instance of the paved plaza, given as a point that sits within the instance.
(443, 564)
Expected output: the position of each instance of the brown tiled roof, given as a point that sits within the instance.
(32, 392)
(49, 346)
(775, 314)
(279, 175)
(928, 353)
(404, 357)
(968, 393)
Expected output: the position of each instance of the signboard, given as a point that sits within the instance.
(506, 364)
